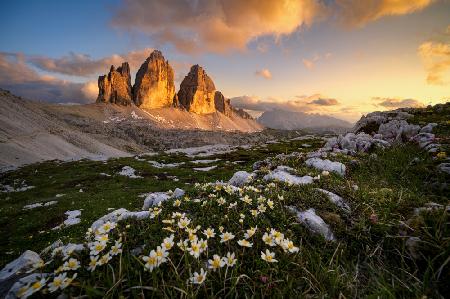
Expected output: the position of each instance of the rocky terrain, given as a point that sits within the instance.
(364, 214)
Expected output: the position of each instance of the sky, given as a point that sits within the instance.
(342, 58)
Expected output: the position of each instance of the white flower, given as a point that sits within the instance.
(262, 208)
(221, 201)
(97, 247)
(195, 249)
(250, 232)
(177, 203)
(245, 243)
(226, 236)
(184, 222)
(151, 261)
(280, 197)
(106, 227)
(93, 263)
(278, 236)
(270, 204)
(71, 264)
(246, 199)
(203, 244)
(34, 287)
(268, 256)
(229, 260)
(168, 243)
(102, 238)
(67, 281)
(325, 173)
(162, 254)
(57, 282)
(261, 199)
(105, 259)
(183, 245)
(116, 248)
(288, 245)
(216, 263)
(198, 278)
(254, 213)
(209, 233)
(268, 239)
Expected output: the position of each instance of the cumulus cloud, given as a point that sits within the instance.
(265, 73)
(214, 25)
(83, 65)
(394, 103)
(17, 76)
(358, 13)
(436, 59)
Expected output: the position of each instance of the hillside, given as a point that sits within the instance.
(363, 214)
(33, 132)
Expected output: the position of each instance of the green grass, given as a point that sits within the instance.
(368, 259)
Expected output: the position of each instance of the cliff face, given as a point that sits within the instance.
(222, 104)
(197, 92)
(154, 86)
(115, 87)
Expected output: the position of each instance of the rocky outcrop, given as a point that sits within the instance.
(222, 104)
(154, 86)
(241, 113)
(197, 92)
(115, 87)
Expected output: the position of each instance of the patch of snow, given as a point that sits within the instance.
(205, 168)
(327, 165)
(129, 172)
(240, 178)
(336, 199)
(314, 223)
(204, 161)
(283, 176)
(203, 151)
(157, 164)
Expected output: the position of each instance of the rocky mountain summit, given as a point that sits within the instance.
(154, 88)
(115, 87)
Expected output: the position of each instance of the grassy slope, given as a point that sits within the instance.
(369, 259)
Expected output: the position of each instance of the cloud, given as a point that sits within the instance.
(311, 103)
(394, 103)
(325, 102)
(265, 73)
(17, 76)
(309, 64)
(357, 13)
(83, 65)
(214, 25)
(436, 59)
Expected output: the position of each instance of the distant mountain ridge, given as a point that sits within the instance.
(290, 120)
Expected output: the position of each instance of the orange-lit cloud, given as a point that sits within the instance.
(360, 12)
(215, 25)
(324, 102)
(394, 103)
(83, 65)
(436, 59)
(18, 77)
(265, 73)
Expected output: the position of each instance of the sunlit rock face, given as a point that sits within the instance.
(222, 104)
(154, 86)
(197, 92)
(115, 87)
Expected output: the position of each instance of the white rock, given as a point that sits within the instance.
(314, 222)
(428, 128)
(177, 193)
(155, 198)
(327, 165)
(204, 161)
(240, 178)
(282, 176)
(114, 216)
(157, 164)
(205, 168)
(22, 264)
(336, 199)
(129, 172)
(444, 167)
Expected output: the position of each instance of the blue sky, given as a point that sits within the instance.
(356, 53)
